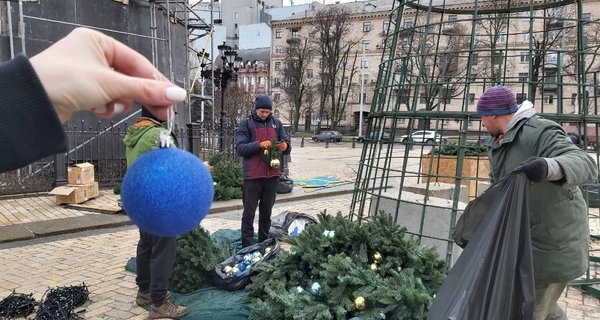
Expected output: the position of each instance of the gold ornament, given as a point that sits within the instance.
(255, 260)
(275, 163)
(377, 256)
(266, 152)
(374, 266)
(360, 303)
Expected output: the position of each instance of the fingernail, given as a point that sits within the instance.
(176, 94)
(118, 108)
(100, 109)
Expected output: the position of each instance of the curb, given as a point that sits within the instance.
(110, 219)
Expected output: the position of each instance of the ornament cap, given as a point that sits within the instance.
(165, 140)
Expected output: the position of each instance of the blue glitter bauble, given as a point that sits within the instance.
(167, 192)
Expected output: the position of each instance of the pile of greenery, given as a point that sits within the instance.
(472, 149)
(359, 270)
(229, 177)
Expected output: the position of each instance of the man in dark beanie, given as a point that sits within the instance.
(558, 213)
(260, 179)
(155, 255)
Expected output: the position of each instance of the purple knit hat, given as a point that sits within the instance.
(497, 101)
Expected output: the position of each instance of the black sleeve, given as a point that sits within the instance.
(29, 126)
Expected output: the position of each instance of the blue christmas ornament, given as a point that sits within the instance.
(242, 266)
(167, 192)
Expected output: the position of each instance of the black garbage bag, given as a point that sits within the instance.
(289, 223)
(493, 277)
(285, 185)
(239, 280)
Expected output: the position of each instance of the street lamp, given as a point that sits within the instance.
(222, 77)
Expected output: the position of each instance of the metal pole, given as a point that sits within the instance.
(362, 91)
(223, 113)
(22, 28)
(202, 102)
(212, 69)
(10, 30)
(169, 41)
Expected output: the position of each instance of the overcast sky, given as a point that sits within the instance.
(287, 2)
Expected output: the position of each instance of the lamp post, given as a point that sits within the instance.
(222, 76)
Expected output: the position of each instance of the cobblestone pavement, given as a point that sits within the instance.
(99, 260)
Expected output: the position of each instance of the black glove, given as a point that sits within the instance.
(536, 169)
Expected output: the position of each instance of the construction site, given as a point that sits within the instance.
(164, 31)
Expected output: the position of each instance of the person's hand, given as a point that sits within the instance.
(265, 144)
(88, 70)
(282, 146)
(536, 169)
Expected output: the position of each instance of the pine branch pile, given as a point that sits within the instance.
(338, 269)
(229, 177)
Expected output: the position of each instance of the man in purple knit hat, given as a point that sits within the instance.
(542, 150)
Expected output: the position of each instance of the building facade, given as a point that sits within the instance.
(253, 77)
(442, 65)
(238, 13)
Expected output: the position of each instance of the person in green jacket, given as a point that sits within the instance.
(155, 255)
(558, 212)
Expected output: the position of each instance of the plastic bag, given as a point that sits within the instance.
(290, 223)
(493, 277)
(241, 279)
(285, 185)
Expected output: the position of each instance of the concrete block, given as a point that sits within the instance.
(438, 190)
(429, 217)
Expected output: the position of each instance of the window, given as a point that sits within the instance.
(366, 27)
(310, 57)
(294, 33)
(548, 99)
(525, 36)
(524, 57)
(261, 81)
(364, 63)
(235, 26)
(278, 34)
(502, 38)
(422, 98)
(235, 36)
(236, 15)
(475, 58)
(345, 81)
(309, 73)
(386, 26)
(471, 98)
(276, 97)
(276, 82)
(408, 23)
(364, 97)
(573, 99)
(523, 77)
(365, 80)
(277, 66)
(244, 80)
(521, 97)
(473, 76)
(365, 44)
(427, 70)
(279, 49)
(587, 17)
(311, 36)
(452, 18)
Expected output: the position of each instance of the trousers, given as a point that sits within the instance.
(546, 296)
(155, 262)
(261, 193)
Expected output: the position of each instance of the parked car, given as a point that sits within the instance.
(385, 137)
(331, 136)
(423, 136)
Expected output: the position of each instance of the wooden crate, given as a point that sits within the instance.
(443, 170)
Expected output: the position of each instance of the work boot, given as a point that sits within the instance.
(167, 310)
(144, 299)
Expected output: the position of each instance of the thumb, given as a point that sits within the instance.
(147, 92)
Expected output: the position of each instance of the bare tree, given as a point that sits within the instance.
(434, 61)
(295, 74)
(238, 104)
(338, 59)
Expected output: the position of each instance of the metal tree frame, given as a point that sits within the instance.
(439, 56)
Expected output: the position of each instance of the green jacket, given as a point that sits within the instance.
(143, 137)
(558, 211)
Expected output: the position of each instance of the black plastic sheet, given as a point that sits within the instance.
(493, 277)
(285, 185)
(289, 223)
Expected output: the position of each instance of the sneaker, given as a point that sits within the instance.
(144, 299)
(167, 310)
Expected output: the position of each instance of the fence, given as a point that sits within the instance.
(104, 148)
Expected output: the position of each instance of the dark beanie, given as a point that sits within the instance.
(497, 101)
(146, 113)
(263, 101)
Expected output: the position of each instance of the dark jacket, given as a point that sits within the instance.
(31, 129)
(247, 147)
